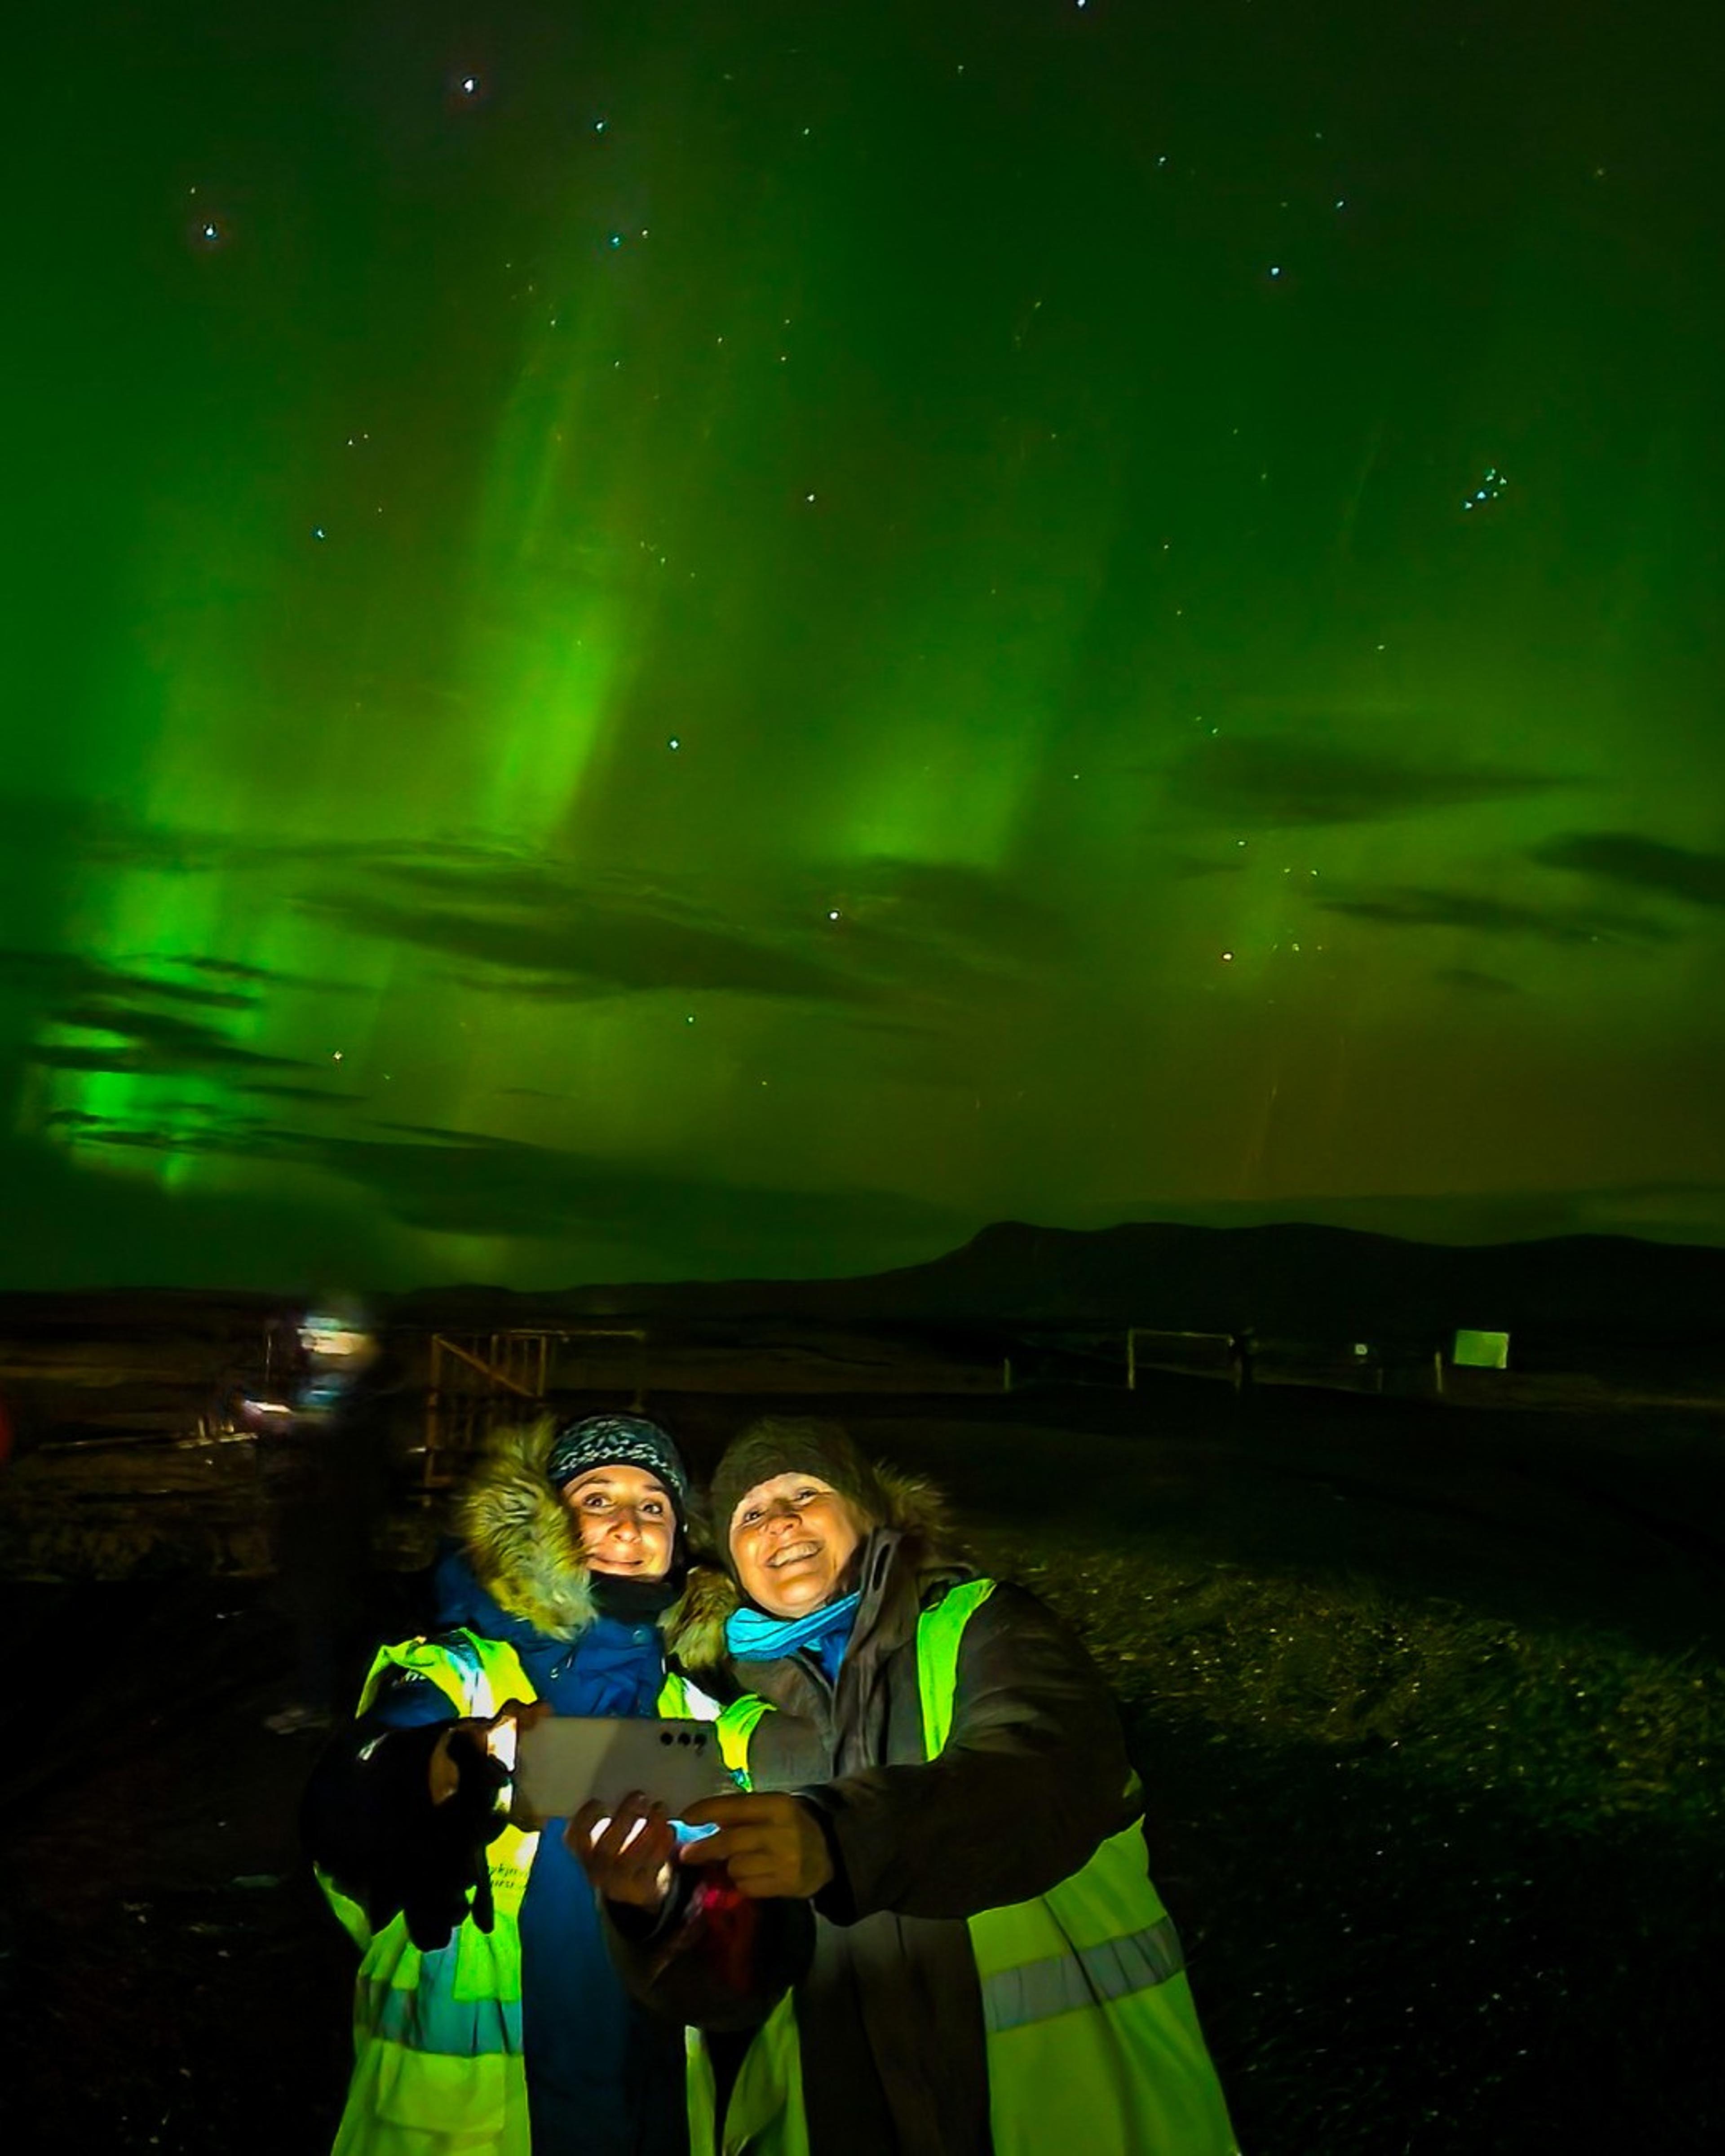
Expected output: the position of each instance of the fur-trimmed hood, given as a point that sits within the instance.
(917, 1514)
(521, 1547)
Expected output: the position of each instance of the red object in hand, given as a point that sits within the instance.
(725, 1922)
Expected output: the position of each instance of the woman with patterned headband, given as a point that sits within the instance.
(489, 2019)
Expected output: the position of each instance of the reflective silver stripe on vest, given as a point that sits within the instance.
(1037, 1991)
(429, 2020)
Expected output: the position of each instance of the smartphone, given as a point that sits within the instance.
(569, 1760)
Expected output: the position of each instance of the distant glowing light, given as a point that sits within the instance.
(673, 743)
(617, 239)
(598, 127)
(832, 913)
(318, 531)
(1227, 955)
(470, 85)
(212, 233)
(335, 1055)
(1275, 268)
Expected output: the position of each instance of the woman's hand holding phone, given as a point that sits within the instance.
(630, 1856)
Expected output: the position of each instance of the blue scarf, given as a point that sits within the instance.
(753, 1636)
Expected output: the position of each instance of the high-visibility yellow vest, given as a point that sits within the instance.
(1092, 2041)
(437, 2036)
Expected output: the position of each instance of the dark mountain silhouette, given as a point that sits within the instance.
(1311, 1283)
(1316, 1285)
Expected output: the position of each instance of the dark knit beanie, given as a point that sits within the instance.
(793, 1444)
(619, 1440)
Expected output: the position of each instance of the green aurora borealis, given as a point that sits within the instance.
(783, 630)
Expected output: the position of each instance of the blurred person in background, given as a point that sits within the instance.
(939, 1782)
(489, 2019)
(324, 1460)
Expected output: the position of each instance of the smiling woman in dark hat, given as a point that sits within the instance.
(938, 1779)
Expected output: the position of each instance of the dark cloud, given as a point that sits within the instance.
(171, 1127)
(165, 1031)
(319, 1095)
(977, 918)
(269, 976)
(1620, 857)
(110, 835)
(119, 1062)
(1410, 907)
(78, 1120)
(853, 938)
(177, 1139)
(578, 944)
(453, 1181)
(1475, 983)
(538, 929)
(155, 1043)
(1272, 783)
(58, 974)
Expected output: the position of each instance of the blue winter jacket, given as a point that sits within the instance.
(604, 2077)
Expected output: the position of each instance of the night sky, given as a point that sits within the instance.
(653, 640)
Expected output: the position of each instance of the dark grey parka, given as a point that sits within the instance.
(1033, 1778)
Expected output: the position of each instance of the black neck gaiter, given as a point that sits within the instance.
(634, 1601)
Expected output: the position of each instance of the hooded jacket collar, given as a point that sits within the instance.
(519, 1573)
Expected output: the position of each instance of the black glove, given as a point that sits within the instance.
(368, 1819)
(444, 1853)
